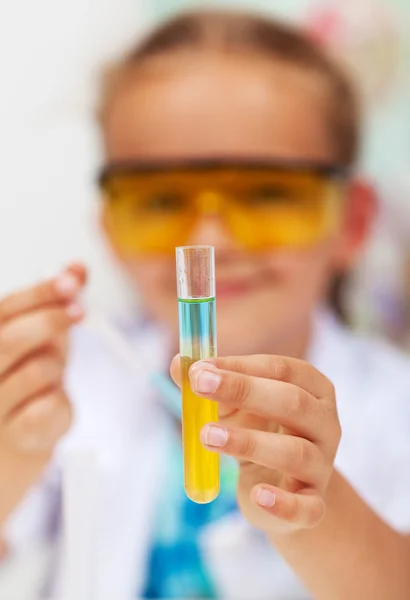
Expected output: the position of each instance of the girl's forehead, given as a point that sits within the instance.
(219, 106)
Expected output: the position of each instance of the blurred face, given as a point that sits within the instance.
(204, 106)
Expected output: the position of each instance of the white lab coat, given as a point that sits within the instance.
(120, 419)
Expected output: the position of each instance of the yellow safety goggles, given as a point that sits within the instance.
(152, 208)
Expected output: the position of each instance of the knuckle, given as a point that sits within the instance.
(240, 390)
(236, 365)
(41, 372)
(332, 429)
(317, 512)
(279, 368)
(299, 402)
(49, 326)
(291, 509)
(248, 445)
(303, 453)
(46, 324)
(331, 392)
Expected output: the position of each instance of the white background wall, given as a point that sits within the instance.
(50, 55)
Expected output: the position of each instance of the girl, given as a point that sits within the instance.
(238, 132)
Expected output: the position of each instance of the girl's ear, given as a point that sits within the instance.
(359, 216)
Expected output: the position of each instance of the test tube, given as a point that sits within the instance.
(197, 328)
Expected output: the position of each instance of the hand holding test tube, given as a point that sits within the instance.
(197, 327)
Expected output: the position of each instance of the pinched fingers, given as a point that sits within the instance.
(283, 403)
(61, 289)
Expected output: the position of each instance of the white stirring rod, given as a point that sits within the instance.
(140, 366)
(95, 321)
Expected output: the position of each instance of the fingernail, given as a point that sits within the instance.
(75, 310)
(205, 382)
(265, 498)
(214, 436)
(66, 284)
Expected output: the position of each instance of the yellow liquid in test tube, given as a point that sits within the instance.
(201, 466)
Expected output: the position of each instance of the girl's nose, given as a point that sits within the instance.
(210, 228)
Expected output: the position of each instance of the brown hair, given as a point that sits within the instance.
(232, 32)
(229, 32)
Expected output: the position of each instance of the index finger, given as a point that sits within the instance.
(279, 368)
(61, 289)
(289, 370)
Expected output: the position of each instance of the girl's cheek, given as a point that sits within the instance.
(315, 256)
(153, 280)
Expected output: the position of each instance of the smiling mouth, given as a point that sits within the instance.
(232, 289)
